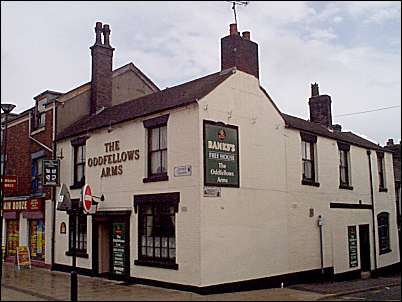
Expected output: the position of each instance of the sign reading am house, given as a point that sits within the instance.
(221, 155)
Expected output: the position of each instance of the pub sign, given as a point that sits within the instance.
(221, 155)
(51, 172)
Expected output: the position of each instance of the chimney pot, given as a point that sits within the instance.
(246, 35)
(390, 142)
(233, 29)
(106, 34)
(314, 90)
(98, 32)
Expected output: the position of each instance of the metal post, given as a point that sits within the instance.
(3, 172)
(74, 280)
(320, 223)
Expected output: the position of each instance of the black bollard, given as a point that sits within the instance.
(74, 284)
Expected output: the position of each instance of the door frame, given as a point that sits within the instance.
(109, 217)
(365, 228)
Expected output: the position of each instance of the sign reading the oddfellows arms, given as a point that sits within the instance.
(112, 162)
(221, 155)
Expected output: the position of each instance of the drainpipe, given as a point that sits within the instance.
(373, 208)
(320, 223)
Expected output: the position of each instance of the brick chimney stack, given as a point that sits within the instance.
(239, 51)
(102, 58)
(320, 107)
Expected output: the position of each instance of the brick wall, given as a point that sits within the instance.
(19, 150)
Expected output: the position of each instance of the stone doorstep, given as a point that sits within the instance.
(358, 290)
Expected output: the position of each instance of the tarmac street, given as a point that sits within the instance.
(38, 284)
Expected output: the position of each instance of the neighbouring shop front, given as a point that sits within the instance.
(25, 226)
(111, 244)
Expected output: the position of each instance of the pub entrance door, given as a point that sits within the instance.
(111, 245)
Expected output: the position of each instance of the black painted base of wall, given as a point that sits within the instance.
(260, 283)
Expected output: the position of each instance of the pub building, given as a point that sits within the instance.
(209, 187)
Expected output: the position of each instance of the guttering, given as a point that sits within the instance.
(373, 208)
(35, 140)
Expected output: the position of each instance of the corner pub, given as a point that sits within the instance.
(209, 187)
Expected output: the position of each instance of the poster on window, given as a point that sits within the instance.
(119, 248)
(352, 238)
(221, 155)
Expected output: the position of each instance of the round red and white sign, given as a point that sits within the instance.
(87, 198)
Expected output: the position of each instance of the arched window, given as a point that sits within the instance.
(383, 232)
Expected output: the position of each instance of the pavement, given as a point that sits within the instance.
(39, 284)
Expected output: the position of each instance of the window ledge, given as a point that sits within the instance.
(157, 177)
(310, 183)
(385, 251)
(346, 187)
(383, 190)
(81, 254)
(166, 265)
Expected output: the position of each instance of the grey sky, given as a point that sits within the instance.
(351, 49)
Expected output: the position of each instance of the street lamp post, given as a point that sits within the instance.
(7, 108)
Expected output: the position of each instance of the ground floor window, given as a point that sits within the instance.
(157, 231)
(13, 236)
(383, 232)
(81, 235)
(37, 239)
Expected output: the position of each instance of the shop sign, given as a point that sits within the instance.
(221, 155)
(182, 170)
(23, 257)
(51, 172)
(119, 248)
(112, 162)
(10, 184)
(352, 239)
(22, 205)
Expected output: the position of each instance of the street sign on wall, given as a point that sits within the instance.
(10, 184)
(221, 155)
(51, 172)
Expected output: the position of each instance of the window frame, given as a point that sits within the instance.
(382, 185)
(156, 202)
(150, 125)
(344, 155)
(311, 140)
(78, 143)
(36, 179)
(384, 242)
(81, 236)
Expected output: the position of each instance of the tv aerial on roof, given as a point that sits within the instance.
(243, 3)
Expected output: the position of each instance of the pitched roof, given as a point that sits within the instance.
(168, 98)
(347, 137)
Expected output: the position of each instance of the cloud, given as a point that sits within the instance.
(173, 42)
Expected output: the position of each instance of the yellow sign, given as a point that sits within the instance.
(23, 257)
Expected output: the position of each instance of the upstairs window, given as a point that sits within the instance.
(157, 148)
(37, 175)
(381, 172)
(308, 144)
(344, 166)
(383, 232)
(39, 115)
(79, 146)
